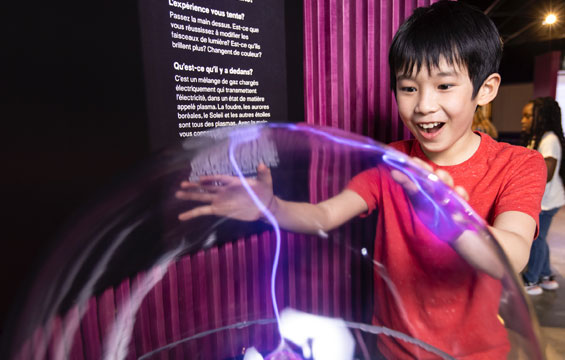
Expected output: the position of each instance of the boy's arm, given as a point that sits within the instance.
(318, 218)
(515, 232)
(226, 196)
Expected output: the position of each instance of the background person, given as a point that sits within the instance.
(482, 123)
(542, 131)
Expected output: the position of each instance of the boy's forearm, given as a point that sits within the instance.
(515, 246)
(480, 253)
(300, 217)
(317, 219)
(512, 231)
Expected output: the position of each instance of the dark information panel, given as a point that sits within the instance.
(211, 64)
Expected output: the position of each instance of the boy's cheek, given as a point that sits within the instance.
(405, 119)
(405, 106)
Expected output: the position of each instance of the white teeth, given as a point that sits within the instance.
(429, 125)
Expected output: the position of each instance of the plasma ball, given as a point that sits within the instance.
(225, 268)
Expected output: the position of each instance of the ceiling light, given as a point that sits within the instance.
(550, 19)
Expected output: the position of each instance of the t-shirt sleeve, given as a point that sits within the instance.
(367, 184)
(524, 186)
(550, 147)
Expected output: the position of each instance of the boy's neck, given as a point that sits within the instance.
(460, 152)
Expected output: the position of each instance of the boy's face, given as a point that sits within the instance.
(437, 107)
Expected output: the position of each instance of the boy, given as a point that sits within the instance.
(443, 64)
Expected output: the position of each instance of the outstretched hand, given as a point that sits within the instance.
(224, 195)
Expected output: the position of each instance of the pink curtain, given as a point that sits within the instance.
(347, 86)
(545, 73)
(346, 65)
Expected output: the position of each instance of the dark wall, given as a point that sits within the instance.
(73, 117)
(518, 61)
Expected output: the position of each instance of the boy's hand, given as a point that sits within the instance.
(477, 250)
(439, 216)
(445, 177)
(225, 195)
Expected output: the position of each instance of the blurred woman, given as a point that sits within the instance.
(482, 123)
(542, 131)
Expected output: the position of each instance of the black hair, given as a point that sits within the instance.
(451, 30)
(546, 116)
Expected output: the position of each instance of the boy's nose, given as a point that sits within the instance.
(427, 103)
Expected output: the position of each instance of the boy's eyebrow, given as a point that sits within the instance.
(403, 77)
(447, 73)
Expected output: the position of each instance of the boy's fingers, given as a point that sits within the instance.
(217, 179)
(423, 164)
(460, 190)
(210, 188)
(404, 181)
(445, 177)
(188, 184)
(191, 186)
(196, 212)
(195, 196)
(263, 173)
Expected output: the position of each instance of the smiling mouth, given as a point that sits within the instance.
(430, 127)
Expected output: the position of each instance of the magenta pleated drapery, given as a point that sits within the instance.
(347, 83)
(545, 73)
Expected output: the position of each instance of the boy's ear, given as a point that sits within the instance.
(489, 89)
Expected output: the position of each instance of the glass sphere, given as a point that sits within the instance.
(189, 257)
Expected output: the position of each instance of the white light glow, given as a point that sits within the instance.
(321, 338)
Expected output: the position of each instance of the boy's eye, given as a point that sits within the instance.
(407, 89)
(445, 86)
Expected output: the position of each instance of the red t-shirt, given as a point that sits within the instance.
(426, 289)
